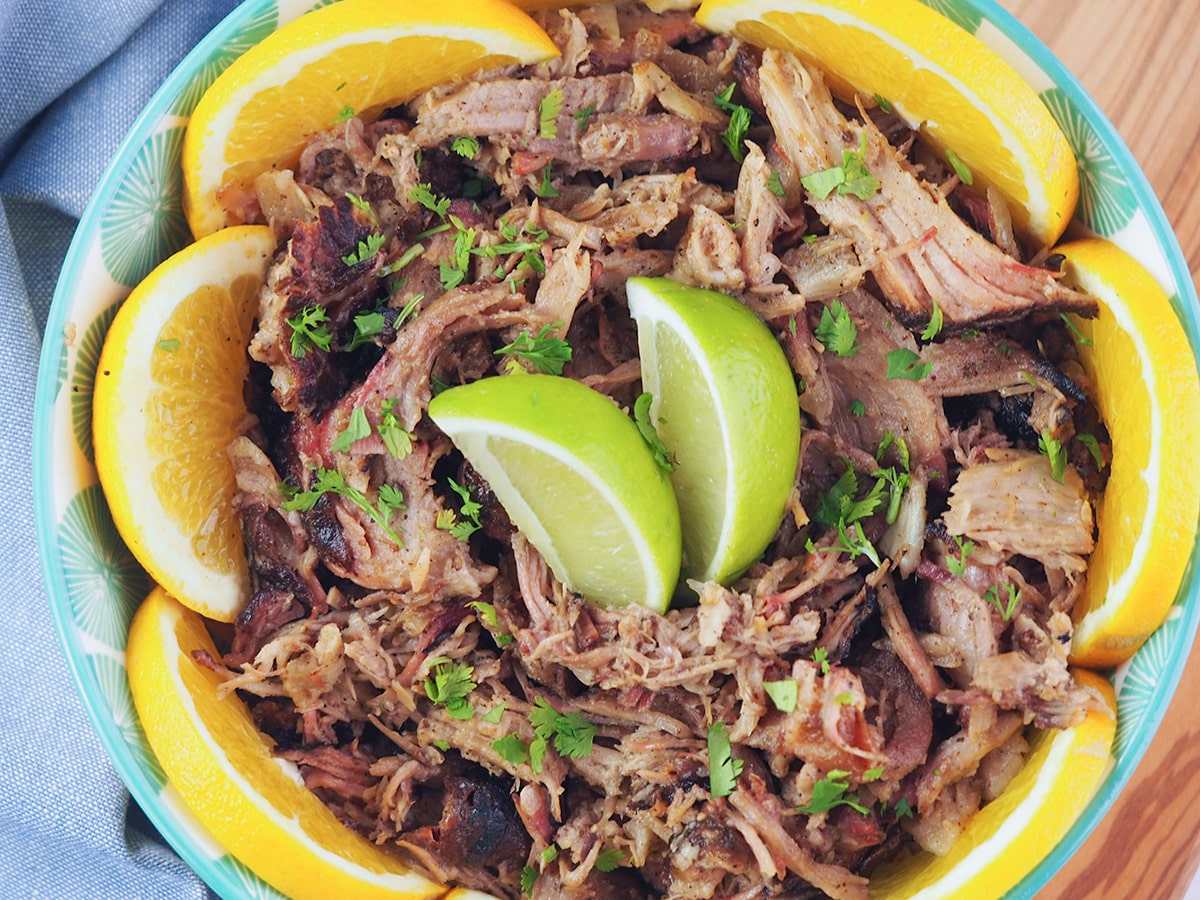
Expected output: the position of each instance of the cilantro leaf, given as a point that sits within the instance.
(1080, 338)
(934, 327)
(904, 364)
(448, 686)
(775, 184)
(545, 353)
(821, 657)
(356, 429)
(309, 329)
(548, 112)
(366, 326)
(850, 178)
(723, 767)
(423, 194)
(960, 168)
(494, 715)
(783, 694)
(512, 749)
(346, 112)
(958, 565)
(572, 734)
(546, 189)
(641, 417)
(836, 330)
(397, 438)
(858, 409)
(365, 250)
(528, 876)
(829, 792)
(1006, 605)
(584, 115)
(331, 481)
(1053, 448)
(1093, 447)
(465, 146)
(734, 136)
(609, 859)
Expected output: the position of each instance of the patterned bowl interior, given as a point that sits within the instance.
(135, 220)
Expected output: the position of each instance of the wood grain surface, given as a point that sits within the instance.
(1141, 63)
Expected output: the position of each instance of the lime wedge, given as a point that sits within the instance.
(577, 479)
(725, 405)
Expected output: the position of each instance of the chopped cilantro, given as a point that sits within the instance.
(1053, 448)
(935, 324)
(366, 326)
(494, 715)
(852, 541)
(331, 481)
(362, 206)
(958, 565)
(454, 272)
(903, 809)
(850, 178)
(836, 330)
(546, 189)
(1007, 606)
(465, 146)
(449, 684)
(821, 657)
(528, 876)
(857, 408)
(838, 504)
(845, 698)
(883, 103)
(783, 693)
(1080, 338)
(1093, 447)
(873, 774)
(571, 733)
(723, 767)
(512, 749)
(906, 365)
(357, 429)
(734, 136)
(403, 260)
(641, 417)
(395, 436)
(423, 194)
(829, 792)
(345, 113)
(168, 345)
(548, 112)
(775, 184)
(584, 115)
(469, 523)
(545, 353)
(365, 250)
(960, 168)
(609, 859)
(309, 329)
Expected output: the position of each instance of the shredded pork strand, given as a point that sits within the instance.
(906, 626)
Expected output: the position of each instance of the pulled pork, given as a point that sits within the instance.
(871, 678)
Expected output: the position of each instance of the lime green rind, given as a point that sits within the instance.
(725, 404)
(575, 476)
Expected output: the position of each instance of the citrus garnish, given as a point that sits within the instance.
(578, 480)
(725, 405)
(1148, 393)
(939, 78)
(255, 805)
(168, 401)
(1010, 835)
(356, 57)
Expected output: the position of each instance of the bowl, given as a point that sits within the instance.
(135, 220)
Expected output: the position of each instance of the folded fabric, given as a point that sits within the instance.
(73, 77)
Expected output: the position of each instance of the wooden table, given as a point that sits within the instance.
(1141, 62)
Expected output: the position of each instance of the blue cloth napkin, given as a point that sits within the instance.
(73, 76)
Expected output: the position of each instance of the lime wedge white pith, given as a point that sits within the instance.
(725, 405)
(255, 805)
(577, 479)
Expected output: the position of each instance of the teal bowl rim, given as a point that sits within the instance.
(131, 769)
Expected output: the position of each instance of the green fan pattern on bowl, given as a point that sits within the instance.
(145, 222)
(104, 583)
(256, 29)
(83, 381)
(1105, 203)
(136, 220)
